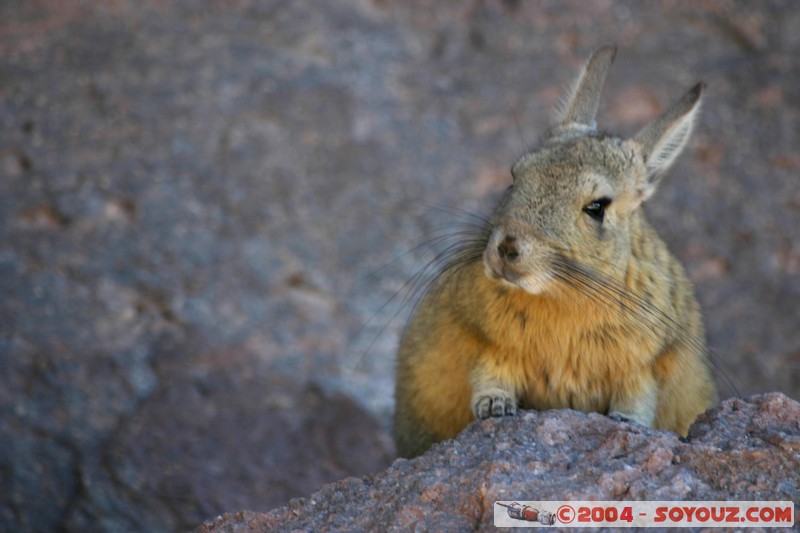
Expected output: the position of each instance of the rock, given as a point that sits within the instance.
(745, 449)
(233, 440)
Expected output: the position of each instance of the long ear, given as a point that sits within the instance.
(580, 106)
(663, 140)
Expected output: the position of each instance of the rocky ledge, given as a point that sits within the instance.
(745, 449)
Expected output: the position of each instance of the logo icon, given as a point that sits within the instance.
(529, 514)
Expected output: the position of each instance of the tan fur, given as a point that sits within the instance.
(588, 315)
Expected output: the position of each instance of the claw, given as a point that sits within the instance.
(620, 417)
(495, 406)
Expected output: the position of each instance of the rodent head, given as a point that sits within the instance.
(577, 197)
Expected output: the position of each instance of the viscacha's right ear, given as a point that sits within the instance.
(579, 109)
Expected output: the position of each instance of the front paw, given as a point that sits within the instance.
(494, 402)
(623, 417)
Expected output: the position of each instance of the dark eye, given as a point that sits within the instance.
(597, 208)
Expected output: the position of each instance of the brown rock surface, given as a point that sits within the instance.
(743, 450)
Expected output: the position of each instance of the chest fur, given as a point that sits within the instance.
(565, 356)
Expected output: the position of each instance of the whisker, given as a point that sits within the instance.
(629, 300)
(460, 243)
(610, 292)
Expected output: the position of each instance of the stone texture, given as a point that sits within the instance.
(198, 197)
(743, 450)
(207, 443)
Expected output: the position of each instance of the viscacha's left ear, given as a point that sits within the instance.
(662, 141)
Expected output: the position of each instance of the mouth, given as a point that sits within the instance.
(503, 274)
(535, 284)
(517, 263)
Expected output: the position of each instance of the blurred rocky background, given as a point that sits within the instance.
(205, 206)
